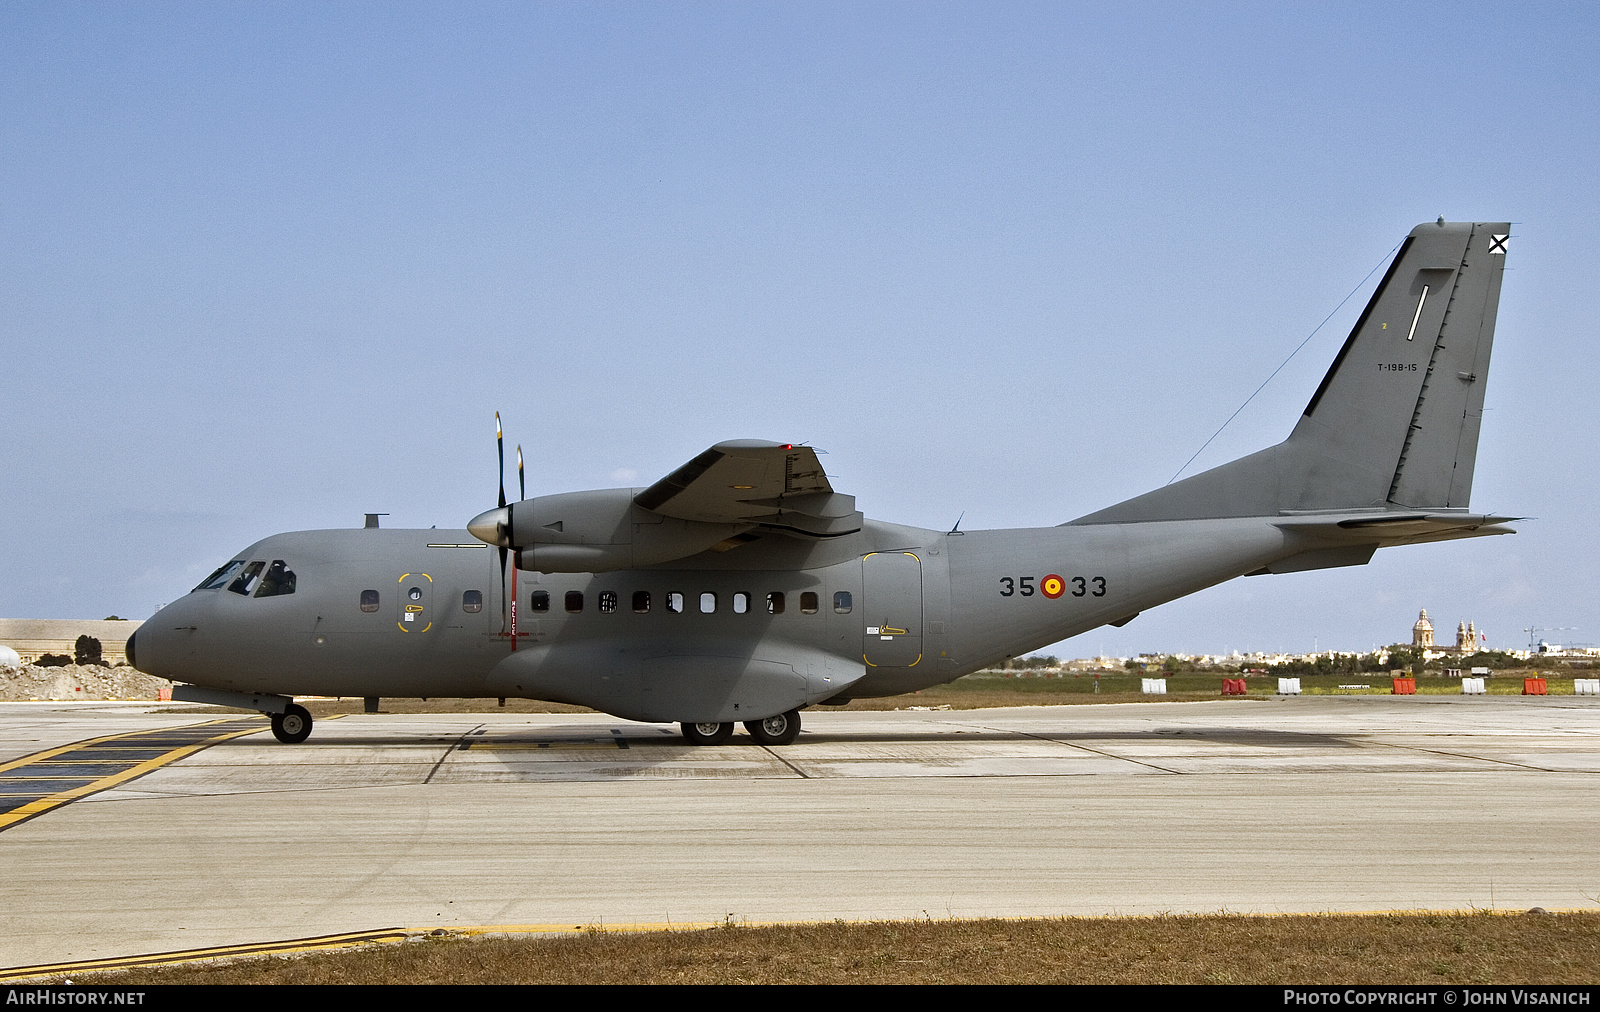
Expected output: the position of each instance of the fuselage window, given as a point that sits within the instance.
(808, 603)
(775, 603)
(278, 581)
(219, 579)
(708, 603)
(369, 600)
(741, 603)
(641, 601)
(472, 601)
(540, 601)
(245, 582)
(842, 603)
(608, 601)
(675, 602)
(574, 601)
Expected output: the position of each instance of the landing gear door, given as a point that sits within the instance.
(416, 603)
(891, 609)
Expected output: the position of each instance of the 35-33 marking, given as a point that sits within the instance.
(1053, 586)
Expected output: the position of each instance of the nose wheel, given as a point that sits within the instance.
(292, 726)
(782, 729)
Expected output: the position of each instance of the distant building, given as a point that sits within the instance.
(33, 637)
(1467, 639)
(1422, 632)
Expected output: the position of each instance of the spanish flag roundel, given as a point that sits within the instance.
(1052, 586)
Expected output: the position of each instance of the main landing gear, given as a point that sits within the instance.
(292, 726)
(781, 729)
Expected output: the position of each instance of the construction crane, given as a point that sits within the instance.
(1534, 631)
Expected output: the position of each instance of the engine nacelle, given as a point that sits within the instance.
(594, 532)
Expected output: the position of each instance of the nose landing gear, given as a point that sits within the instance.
(292, 726)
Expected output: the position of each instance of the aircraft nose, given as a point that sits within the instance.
(491, 527)
(132, 659)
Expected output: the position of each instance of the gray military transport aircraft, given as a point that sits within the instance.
(742, 588)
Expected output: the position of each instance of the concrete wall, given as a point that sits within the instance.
(31, 637)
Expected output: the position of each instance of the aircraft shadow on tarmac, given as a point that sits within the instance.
(483, 739)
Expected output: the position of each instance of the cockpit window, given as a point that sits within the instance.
(245, 582)
(278, 581)
(219, 579)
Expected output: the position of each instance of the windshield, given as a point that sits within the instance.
(220, 578)
(278, 581)
(246, 581)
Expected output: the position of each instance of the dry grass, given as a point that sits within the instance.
(1372, 949)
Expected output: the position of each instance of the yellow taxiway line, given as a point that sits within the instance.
(55, 800)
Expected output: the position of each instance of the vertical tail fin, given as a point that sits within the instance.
(1402, 405)
(1396, 419)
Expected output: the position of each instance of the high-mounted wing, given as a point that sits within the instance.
(752, 481)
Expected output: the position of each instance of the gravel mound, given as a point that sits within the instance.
(87, 681)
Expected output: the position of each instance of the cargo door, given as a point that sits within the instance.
(891, 609)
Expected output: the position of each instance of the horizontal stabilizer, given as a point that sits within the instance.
(1393, 528)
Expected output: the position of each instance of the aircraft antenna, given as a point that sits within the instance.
(1285, 362)
(957, 528)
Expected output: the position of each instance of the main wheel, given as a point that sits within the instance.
(782, 729)
(293, 725)
(708, 734)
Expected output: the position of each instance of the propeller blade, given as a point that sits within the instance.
(502, 580)
(500, 445)
(522, 482)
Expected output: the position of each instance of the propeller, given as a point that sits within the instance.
(500, 447)
(495, 527)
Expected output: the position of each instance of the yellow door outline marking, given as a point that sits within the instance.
(889, 630)
(413, 607)
(911, 665)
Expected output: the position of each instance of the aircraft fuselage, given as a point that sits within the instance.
(887, 610)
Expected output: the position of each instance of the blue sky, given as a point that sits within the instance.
(266, 267)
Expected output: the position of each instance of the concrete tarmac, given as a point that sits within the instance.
(1311, 804)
